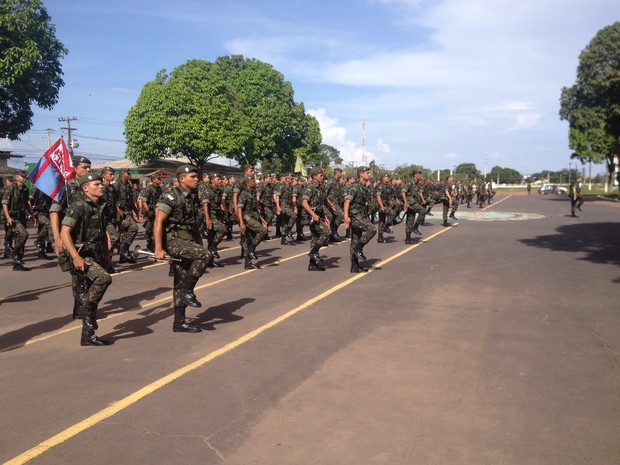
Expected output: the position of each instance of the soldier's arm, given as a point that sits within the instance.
(5, 207)
(347, 220)
(158, 233)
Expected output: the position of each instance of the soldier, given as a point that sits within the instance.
(128, 227)
(482, 192)
(211, 199)
(228, 207)
(315, 205)
(335, 199)
(15, 205)
(455, 192)
(40, 204)
(148, 200)
(384, 203)
(300, 220)
(110, 197)
(251, 224)
(264, 197)
(413, 203)
(445, 197)
(576, 199)
(83, 235)
(283, 196)
(177, 232)
(8, 232)
(356, 202)
(248, 171)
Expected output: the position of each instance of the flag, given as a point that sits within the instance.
(53, 170)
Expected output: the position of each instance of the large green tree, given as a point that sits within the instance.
(592, 105)
(505, 175)
(235, 107)
(467, 171)
(30, 70)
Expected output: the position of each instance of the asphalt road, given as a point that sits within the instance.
(495, 341)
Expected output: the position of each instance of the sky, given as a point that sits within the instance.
(434, 83)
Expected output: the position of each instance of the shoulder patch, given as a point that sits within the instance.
(169, 196)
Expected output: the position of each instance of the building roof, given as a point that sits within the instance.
(167, 165)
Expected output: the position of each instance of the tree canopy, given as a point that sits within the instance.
(592, 105)
(235, 107)
(30, 69)
(505, 175)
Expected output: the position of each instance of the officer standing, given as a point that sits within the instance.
(177, 232)
(15, 205)
(83, 235)
(314, 203)
(356, 202)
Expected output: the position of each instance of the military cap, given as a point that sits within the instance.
(107, 169)
(248, 179)
(23, 174)
(272, 175)
(215, 175)
(80, 159)
(316, 170)
(184, 169)
(337, 170)
(9, 178)
(156, 176)
(362, 169)
(88, 178)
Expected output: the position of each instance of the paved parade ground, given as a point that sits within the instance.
(495, 341)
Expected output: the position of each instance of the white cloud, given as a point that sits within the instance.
(383, 146)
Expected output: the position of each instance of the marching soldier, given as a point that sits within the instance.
(128, 227)
(8, 232)
(15, 205)
(335, 200)
(264, 197)
(176, 232)
(40, 204)
(211, 197)
(314, 203)
(445, 197)
(384, 202)
(148, 200)
(83, 235)
(285, 208)
(576, 199)
(413, 203)
(251, 224)
(356, 202)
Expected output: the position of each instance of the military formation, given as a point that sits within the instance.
(186, 219)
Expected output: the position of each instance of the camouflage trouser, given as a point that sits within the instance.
(20, 235)
(217, 233)
(455, 205)
(413, 209)
(43, 228)
(148, 226)
(320, 233)
(362, 231)
(575, 203)
(255, 233)
(337, 218)
(446, 208)
(287, 219)
(195, 260)
(268, 213)
(128, 229)
(115, 237)
(386, 218)
(97, 281)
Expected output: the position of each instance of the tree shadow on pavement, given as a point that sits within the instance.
(597, 241)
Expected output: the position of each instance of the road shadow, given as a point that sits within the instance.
(140, 326)
(18, 338)
(221, 314)
(597, 241)
(124, 303)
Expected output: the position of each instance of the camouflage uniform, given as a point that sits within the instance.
(362, 230)
(128, 228)
(317, 202)
(87, 222)
(336, 197)
(16, 200)
(411, 191)
(284, 192)
(212, 197)
(181, 230)
(41, 204)
(385, 192)
(255, 232)
(110, 197)
(264, 193)
(150, 195)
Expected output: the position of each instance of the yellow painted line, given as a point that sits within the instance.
(131, 399)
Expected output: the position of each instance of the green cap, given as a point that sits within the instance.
(88, 178)
(184, 169)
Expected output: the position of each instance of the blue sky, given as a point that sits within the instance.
(438, 83)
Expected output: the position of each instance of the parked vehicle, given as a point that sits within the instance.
(552, 189)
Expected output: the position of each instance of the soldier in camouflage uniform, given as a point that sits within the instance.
(264, 196)
(283, 195)
(211, 198)
(335, 200)
(356, 202)
(148, 199)
(252, 225)
(177, 232)
(455, 192)
(110, 197)
(7, 183)
(40, 204)
(385, 202)
(15, 205)
(314, 203)
(413, 202)
(128, 227)
(227, 204)
(83, 235)
(445, 197)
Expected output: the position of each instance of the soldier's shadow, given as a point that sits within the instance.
(128, 302)
(221, 314)
(139, 326)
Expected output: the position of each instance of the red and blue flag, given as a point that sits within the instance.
(53, 170)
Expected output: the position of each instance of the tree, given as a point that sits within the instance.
(592, 105)
(30, 70)
(505, 175)
(235, 108)
(467, 171)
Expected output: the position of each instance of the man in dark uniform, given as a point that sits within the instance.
(335, 200)
(110, 197)
(385, 203)
(40, 204)
(84, 237)
(576, 199)
(413, 203)
(356, 202)
(445, 197)
(148, 199)
(251, 224)
(15, 205)
(177, 232)
(128, 226)
(283, 196)
(314, 203)
(8, 232)
(264, 197)
(211, 198)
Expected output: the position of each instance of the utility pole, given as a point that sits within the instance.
(69, 131)
(49, 138)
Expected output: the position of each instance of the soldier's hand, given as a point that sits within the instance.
(209, 225)
(79, 263)
(160, 254)
(347, 222)
(242, 228)
(57, 246)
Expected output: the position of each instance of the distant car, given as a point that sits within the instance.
(552, 189)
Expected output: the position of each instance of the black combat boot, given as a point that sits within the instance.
(8, 249)
(387, 229)
(78, 296)
(89, 324)
(314, 265)
(41, 251)
(445, 223)
(452, 216)
(380, 240)
(359, 252)
(186, 293)
(248, 265)
(180, 325)
(416, 231)
(284, 240)
(408, 239)
(89, 315)
(229, 235)
(355, 266)
(348, 233)
(126, 257)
